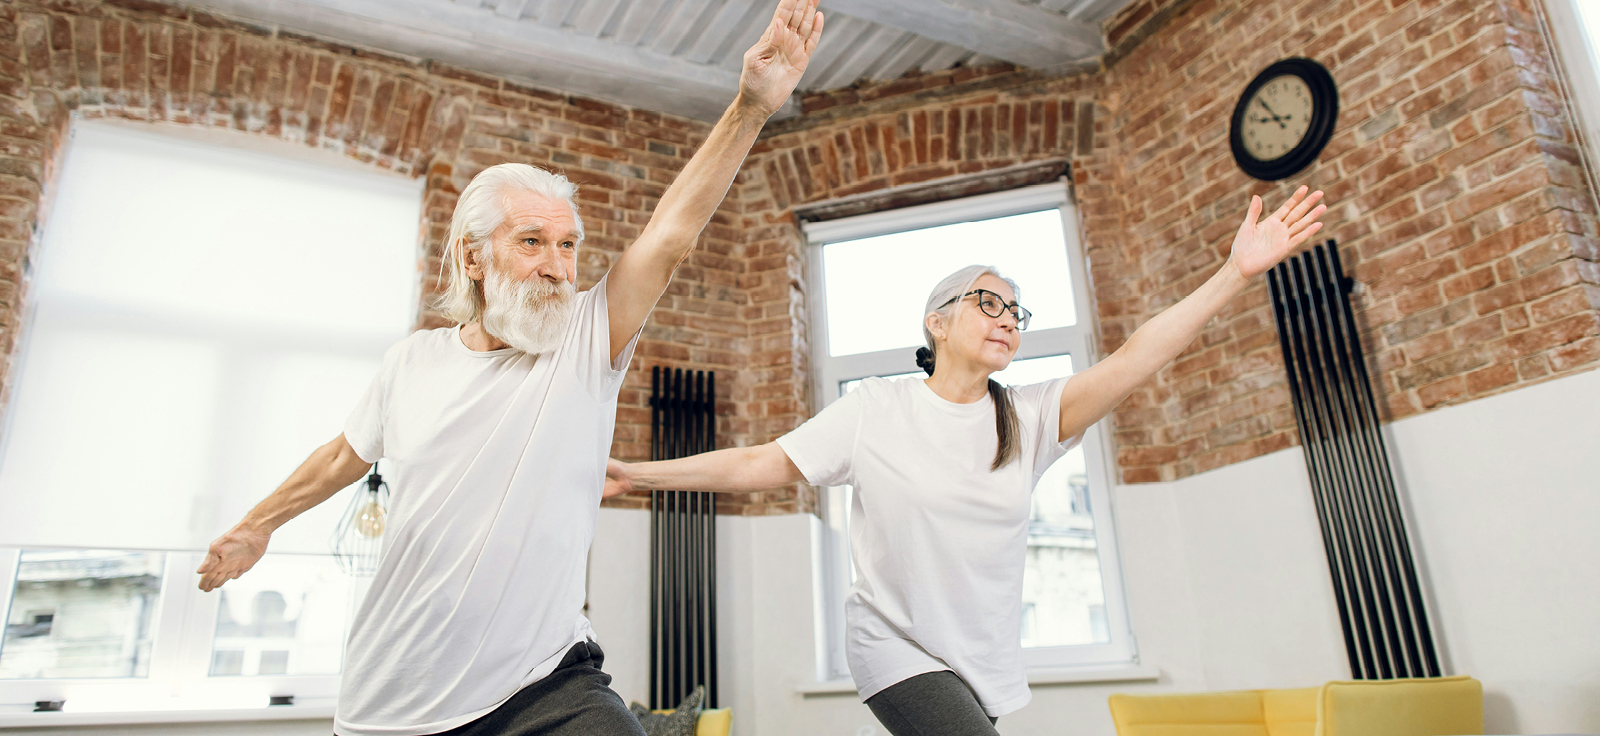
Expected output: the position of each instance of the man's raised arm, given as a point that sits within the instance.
(772, 68)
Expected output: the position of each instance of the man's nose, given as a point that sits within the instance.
(552, 266)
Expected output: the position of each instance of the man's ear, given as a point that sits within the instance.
(469, 259)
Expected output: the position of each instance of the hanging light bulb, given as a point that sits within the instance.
(370, 520)
(358, 540)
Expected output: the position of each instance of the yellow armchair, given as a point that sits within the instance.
(712, 722)
(1414, 707)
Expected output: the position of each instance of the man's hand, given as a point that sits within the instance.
(1261, 245)
(232, 555)
(617, 481)
(774, 65)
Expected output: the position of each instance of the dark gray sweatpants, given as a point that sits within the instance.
(931, 704)
(574, 700)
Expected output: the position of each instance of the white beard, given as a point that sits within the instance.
(531, 315)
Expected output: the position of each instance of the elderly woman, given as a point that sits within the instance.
(943, 470)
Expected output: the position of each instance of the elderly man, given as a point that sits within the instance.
(498, 432)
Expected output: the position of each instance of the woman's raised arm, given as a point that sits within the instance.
(1259, 246)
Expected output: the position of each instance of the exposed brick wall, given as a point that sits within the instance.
(153, 62)
(1455, 189)
(1456, 196)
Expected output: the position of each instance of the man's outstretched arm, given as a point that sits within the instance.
(772, 68)
(330, 468)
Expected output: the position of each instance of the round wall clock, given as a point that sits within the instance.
(1283, 119)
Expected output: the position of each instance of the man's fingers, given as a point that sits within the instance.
(795, 15)
(808, 18)
(816, 33)
(785, 9)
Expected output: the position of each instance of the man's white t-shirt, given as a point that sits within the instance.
(939, 540)
(496, 462)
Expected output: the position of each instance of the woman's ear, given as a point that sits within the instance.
(469, 259)
(935, 325)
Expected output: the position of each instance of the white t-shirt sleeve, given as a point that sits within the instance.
(1043, 401)
(589, 344)
(823, 446)
(364, 429)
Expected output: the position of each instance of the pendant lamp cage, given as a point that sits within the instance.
(358, 540)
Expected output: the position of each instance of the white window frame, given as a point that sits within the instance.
(1580, 59)
(830, 551)
(179, 677)
(179, 686)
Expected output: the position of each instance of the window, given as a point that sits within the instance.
(1576, 27)
(872, 275)
(205, 311)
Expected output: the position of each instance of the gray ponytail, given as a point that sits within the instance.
(1007, 429)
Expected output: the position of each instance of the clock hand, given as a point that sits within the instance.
(1275, 116)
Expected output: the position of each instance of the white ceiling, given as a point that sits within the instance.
(683, 56)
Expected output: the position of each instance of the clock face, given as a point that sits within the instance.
(1277, 117)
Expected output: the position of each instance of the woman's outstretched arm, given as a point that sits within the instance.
(729, 471)
(1259, 246)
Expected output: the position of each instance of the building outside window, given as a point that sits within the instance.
(872, 275)
(205, 309)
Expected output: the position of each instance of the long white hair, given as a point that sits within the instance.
(480, 209)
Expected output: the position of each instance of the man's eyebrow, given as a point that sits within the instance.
(538, 228)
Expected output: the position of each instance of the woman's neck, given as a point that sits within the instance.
(961, 384)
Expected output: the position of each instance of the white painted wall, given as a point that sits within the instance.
(1227, 584)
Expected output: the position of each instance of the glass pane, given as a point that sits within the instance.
(81, 613)
(1061, 582)
(218, 394)
(1019, 373)
(877, 287)
(1589, 15)
(286, 617)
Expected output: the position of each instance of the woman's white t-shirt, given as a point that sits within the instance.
(939, 540)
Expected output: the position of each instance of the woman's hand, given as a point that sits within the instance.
(617, 480)
(1261, 245)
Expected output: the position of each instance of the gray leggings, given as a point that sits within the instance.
(931, 704)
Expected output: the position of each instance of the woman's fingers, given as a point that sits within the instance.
(1295, 241)
(1283, 212)
(1305, 205)
(1307, 220)
(1251, 217)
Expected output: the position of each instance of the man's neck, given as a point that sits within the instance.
(477, 340)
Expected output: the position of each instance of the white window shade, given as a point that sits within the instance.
(204, 316)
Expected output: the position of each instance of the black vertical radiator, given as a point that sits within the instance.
(1386, 631)
(683, 543)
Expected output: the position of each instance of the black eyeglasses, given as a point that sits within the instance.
(994, 305)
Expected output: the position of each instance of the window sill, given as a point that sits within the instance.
(1045, 676)
(318, 709)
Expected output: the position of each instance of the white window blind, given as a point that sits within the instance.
(203, 317)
